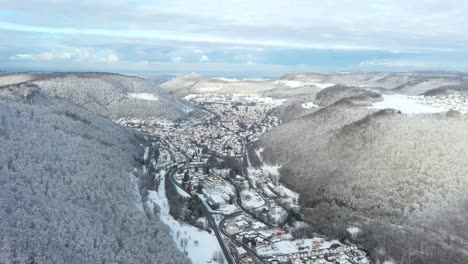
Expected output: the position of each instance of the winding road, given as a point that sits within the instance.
(218, 228)
(206, 212)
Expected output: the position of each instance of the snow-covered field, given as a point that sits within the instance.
(241, 80)
(272, 170)
(138, 202)
(406, 104)
(297, 84)
(226, 79)
(291, 247)
(287, 192)
(424, 104)
(309, 105)
(225, 209)
(456, 101)
(16, 78)
(143, 96)
(278, 214)
(259, 79)
(353, 231)
(251, 199)
(199, 245)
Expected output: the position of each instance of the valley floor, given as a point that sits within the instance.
(247, 214)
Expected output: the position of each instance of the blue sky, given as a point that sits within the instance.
(233, 37)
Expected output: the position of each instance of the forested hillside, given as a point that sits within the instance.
(68, 188)
(111, 95)
(401, 178)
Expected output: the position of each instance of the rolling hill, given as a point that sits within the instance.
(399, 174)
(113, 95)
(69, 186)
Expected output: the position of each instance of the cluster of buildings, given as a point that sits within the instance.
(191, 134)
(276, 245)
(212, 188)
(221, 131)
(244, 115)
(250, 210)
(336, 254)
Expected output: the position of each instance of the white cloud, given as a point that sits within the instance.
(411, 64)
(69, 54)
(177, 59)
(43, 56)
(184, 31)
(365, 24)
(397, 63)
(49, 56)
(21, 56)
(111, 58)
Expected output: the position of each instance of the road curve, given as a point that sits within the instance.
(208, 214)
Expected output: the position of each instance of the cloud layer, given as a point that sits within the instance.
(275, 35)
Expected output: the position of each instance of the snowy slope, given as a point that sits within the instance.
(199, 245)
(406, 104)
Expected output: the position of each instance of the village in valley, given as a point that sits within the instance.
(255, 218)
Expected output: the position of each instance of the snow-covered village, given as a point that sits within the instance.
(214, 190)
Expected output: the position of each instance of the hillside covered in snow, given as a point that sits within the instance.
(69, 186)
(390, 163)
(300, 84)
(113, 95)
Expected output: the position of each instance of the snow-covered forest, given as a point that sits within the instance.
(110, 95)
(67, 191)
(401, 177)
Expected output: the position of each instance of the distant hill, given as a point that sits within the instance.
(400, 177)
(69, 186)
(411, 83)
(197, 84)
(300, 84)
(111, 95)
(447, 90)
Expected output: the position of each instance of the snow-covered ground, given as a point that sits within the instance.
(287, 192)
(182, 192)
(199, 245)
(272, 170)
(309, 105)
(136, 192)
(226, 79)
(143, 96)
(456, 101)
(145, 156)
(353, 231)
(291, 247)
(251, 199)
(259, 153)
(259, 79)
(278, 214)
(243, 80)
(297, 84)
(406, 104)
(225, 209)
